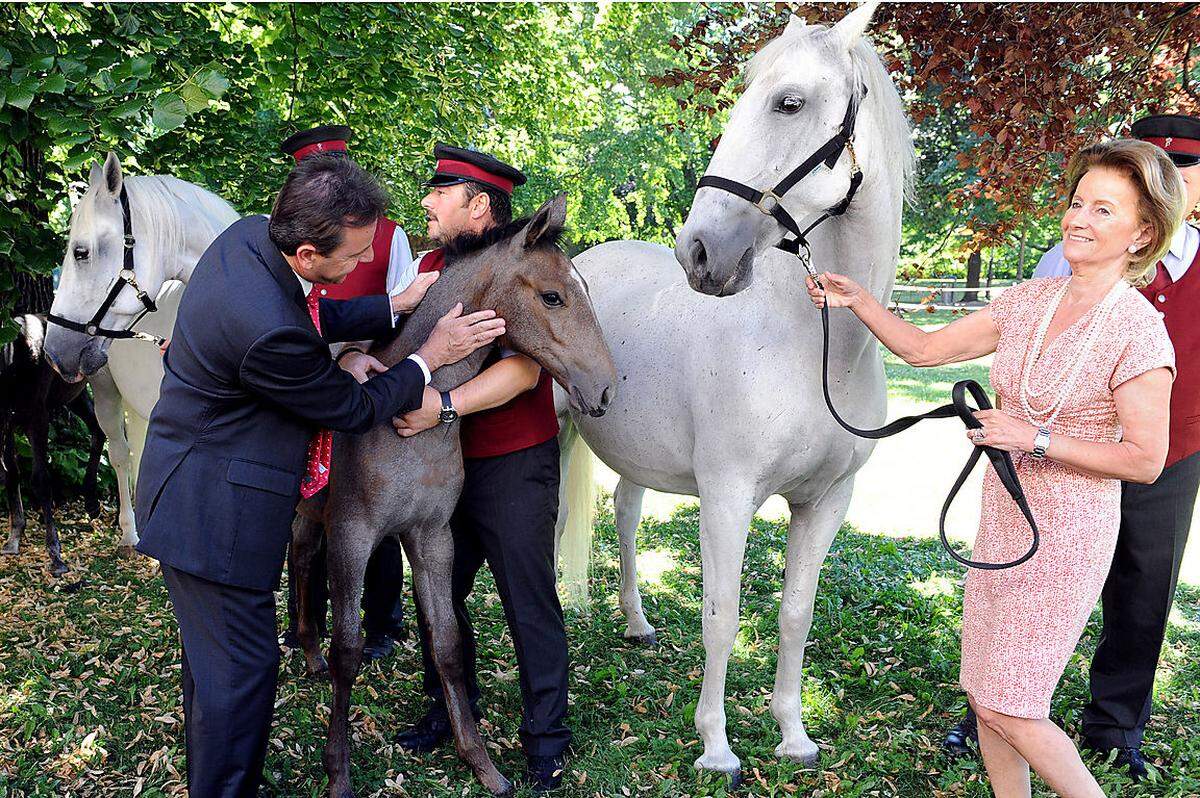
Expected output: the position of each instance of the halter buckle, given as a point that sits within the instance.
(854, 168)
(129, 276)
(769, 193)
(130, 241)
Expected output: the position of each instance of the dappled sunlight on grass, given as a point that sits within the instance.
(652, 564)
(934, 586)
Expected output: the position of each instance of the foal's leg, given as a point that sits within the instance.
(431, 557)
(38, 433)
(12, 486)
(81, 406)
(350, 546)
(810, 532)
(111, 417)
(306, 542)
(725, 513)
(627, 502)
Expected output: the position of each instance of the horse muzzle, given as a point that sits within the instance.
(73, 355)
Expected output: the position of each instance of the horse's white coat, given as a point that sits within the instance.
(721, 397)
(173, 222)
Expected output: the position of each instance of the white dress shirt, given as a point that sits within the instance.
(1179, 257)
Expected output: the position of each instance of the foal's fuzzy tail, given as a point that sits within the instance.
(578, 505)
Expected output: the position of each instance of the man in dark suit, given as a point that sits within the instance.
(248, 396)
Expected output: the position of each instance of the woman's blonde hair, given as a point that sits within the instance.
(1161, 196)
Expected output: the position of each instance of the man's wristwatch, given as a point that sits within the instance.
(1041, 442)
(448, 415)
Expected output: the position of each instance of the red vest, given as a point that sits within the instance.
(524, 421)
(370, 276)
(1178, 303)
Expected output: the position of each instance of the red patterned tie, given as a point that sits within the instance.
(320, 448)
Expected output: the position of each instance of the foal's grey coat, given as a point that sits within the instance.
(382, 484)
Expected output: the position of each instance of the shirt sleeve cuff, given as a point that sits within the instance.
(424, 368)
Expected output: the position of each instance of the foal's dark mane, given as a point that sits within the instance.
(469, 243)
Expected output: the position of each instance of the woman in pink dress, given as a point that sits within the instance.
(1082, 373)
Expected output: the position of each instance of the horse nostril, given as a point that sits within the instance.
(699, 254)
(605, 397)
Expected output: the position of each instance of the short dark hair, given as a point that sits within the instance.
(323, 195)
(498, 201)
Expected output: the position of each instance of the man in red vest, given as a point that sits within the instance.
(1156, 518)
(509, 503)
(383, 607)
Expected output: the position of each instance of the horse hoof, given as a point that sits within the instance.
(801, 755)
(502, 787)
(58, 568)
(317, 670)
(11, 548)
(126, 552)
(649, 640)
(93, 509)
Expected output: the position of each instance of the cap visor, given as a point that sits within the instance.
(1183, 159)
(444, 180)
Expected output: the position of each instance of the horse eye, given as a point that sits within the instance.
(81, 253)
(789, 104)
(552, 299)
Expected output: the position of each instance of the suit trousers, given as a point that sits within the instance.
(1155, 520)
(230, 666)
(506, 517)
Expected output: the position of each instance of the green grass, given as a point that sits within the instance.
(90, 702)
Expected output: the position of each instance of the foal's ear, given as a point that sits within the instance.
(547, 223)
(108, 175)
(795, 25)
(850, 28)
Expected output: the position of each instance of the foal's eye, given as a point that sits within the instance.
(552, 299)
(789, 104)
(81, 254)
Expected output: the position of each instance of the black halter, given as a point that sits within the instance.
(828, 154)
(126, 277)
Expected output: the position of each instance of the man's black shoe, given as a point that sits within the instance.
(378, 646)
(955, 743)
(1129, 758)
(428, 733)
(544, 773)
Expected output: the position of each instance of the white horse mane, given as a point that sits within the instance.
(890, 138)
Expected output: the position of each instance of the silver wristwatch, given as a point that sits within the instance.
(1041, 442)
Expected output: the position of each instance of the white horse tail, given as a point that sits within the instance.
(577, 513)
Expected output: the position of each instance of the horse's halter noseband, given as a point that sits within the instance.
(828, 154)
(126, 277)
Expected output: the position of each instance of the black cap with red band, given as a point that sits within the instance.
(458, 165)
(323, 138)
(1179, 135)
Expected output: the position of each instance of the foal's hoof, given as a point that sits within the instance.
(316, 668)
(649, 640)
(502, 787)
(126, 552)
(58, 568)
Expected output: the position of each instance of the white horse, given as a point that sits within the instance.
(721, 397)
(173, 222)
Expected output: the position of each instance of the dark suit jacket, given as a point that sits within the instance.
(248, 382)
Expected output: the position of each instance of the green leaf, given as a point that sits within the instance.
(140, 66)
(169, 111)
(194, 97)
(212, 82)
(54, 83)
(77, 160)
(22, 95)
(74, 70)
(5, 56)
(128, 108)
(42, 64)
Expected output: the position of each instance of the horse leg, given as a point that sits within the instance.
(810, 532)
(306, 542)
(82, 407)
(725, 513)
(38, 433)
(627, 501)
(12, 487)
(432, 561)
(111, 417)
(350, 547)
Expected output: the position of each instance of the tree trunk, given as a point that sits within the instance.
(974, 264)
(33, 292)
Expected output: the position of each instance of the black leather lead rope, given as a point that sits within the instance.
(1001, 460)
(126, 277)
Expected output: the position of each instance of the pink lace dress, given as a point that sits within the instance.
(1021, 625)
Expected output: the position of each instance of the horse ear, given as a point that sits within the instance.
(795, 25)
(548, 222)
(108, 175)
(851, 27)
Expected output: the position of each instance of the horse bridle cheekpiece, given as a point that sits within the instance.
(828, 154)
(126, 277)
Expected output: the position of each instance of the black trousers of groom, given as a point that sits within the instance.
(1155, 520)
(229, 637)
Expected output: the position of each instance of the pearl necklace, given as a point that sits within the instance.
(1066, 386)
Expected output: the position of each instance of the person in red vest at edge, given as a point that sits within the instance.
(1155, 518)
(383, 599)
(509, 503)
